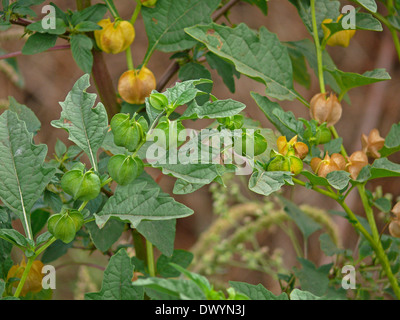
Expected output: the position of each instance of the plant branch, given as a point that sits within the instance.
(19, 53)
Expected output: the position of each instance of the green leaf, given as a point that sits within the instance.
(307, 49)
(59, 29)
(306, 225)
(259, 56)
(213, 110)
(86, 26)
(366, 21)
(268, 182)
(261, 4)
(93, 13)
(55, 251)
(180, 257)
(140, 201)
(172, 288)
(14, 237)
(381, 168)
(349, 80)
(328, 246)
(383, 204)
(256, 292)
(39, 219)
(333, 146)
(39, 42)
(117, 281)
(370, 5)
(392, 141)
(185, 187)
(21, 167)
(166, 22)
(300, 72)
(193, 71)
(313, 279)
(81, 48)
(324, 9)
(5, 246)
(25, 114)
(224, 68)
(314, 179)
(338, 179)
(285, 122)
(159, 233)
(87, 126)
(104, 238)
(297, 294)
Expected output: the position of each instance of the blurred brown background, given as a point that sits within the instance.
(49, 77)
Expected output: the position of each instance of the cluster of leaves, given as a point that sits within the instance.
(31, 190)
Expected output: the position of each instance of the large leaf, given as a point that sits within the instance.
(213, 110)
(104, 238)
(23, 176)
(392, 141)
(166, 22)
(25, 114)
(324, 9)
(260, 55)
(285, 122)
(267, 182)
(140, 201)
(87, 126)
(81, 48)
(256, 292)
(306, 225)
(350, 80)
(5, 246)
(117, 281)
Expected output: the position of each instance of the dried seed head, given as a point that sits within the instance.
(373, 143)
(135, 86)
(324, 109)
(329, 164)
(356, 162)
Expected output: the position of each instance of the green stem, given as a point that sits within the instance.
(136, 12)
(44, 247)
(150, 258)
(83, 205)
(106, 182)
(336, 136)
(129, 60)
(112, 9)
(24, 277)
(318, 48)
(138, 243)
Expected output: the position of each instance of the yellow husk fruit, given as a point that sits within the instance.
(115, 37)
(134, 86)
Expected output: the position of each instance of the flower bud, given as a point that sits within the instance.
(325, 110)
(335, 162)
(135, 86)
(124, 169)
(81, 185)
(158, 101)
(33, 282)
(341, 38)
(115, 37)
(356, 162)
(65, 225)
(128, 133)
(372, 144)
(148, 3)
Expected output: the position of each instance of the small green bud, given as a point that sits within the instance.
(158, 101)
(128, 132)
(65, 225)
(124, 169)
(80, 185)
